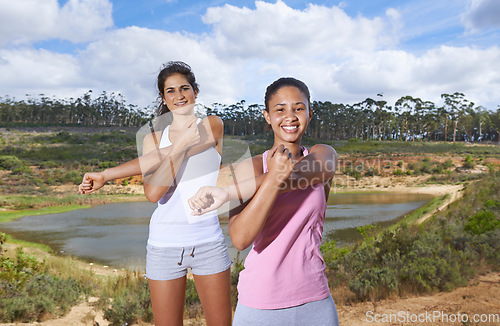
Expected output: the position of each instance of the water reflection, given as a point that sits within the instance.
(116, 234)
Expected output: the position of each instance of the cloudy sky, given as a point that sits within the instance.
(345, 51)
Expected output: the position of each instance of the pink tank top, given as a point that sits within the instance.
(285, 268)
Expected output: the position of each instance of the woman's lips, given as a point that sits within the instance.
(290, 129)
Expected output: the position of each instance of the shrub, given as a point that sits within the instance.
(74, 177)
(107, 164)
(371, 172)
(491, 203)
(130, 303)
(235, 275)
(332, 254)
(438, 256)
(48, 164)
(447, 164)
(367, 231)
(374, 283)
(468, 162)
(28, 293)
(481, 222)
(22, 170)
(438, 170)
(10, 162)
(425, 167)
(353, 173)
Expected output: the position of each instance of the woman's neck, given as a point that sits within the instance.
(180, 121)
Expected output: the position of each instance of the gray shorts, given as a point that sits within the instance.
(169, 263)
(316, 313)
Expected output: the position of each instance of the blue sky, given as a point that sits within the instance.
(345, 51)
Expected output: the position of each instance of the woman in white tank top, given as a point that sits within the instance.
(175, 163)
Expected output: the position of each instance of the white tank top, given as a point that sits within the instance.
(172, 224)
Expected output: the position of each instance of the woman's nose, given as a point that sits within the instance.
(180, 95)
(290, 115)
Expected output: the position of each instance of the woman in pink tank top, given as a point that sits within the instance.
(278, 204)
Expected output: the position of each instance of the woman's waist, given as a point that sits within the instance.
(165, 235)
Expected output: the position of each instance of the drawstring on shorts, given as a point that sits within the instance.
(182, 256)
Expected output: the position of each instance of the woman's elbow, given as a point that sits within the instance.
(239, 242)
(152, 196)
(240, 245)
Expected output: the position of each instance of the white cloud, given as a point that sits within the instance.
(131, 59)
(30, 71)
(125, 61)
(278, 31)
(441, 70)
(482, 14)
(343, 59)
(27, 21)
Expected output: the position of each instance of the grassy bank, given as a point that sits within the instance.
(8, 216)
(13, 207)
(417, 214)
(453, 246)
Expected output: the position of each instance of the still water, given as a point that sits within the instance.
(116, 234)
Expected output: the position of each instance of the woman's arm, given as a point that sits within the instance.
(317, 167)
(247, 221)
(188, 143)
(210, 130)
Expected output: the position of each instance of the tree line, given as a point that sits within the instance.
(409, 119)
(103, 110)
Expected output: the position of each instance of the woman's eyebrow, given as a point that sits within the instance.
(172, 87)
(283, 104)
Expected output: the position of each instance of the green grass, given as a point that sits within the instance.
(9, 216)
(414, 216)
(372, 147)
(16, 206)
(27, 244)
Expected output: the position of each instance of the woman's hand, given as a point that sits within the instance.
(91, 182)
(189, 137)
(208, 199)
(280, 163)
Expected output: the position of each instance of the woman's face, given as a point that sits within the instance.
(178, 93)
(289, 114)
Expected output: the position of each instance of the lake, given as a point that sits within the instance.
(116, 234)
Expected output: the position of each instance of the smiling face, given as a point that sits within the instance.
(178, 94)
(289, 114)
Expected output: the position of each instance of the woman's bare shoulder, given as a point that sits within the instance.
(323, 150)
(151, 141)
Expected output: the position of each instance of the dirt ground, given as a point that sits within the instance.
(480, 300)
